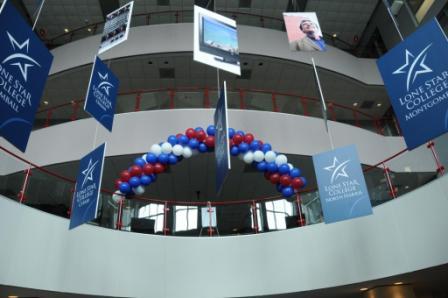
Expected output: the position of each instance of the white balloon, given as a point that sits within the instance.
(270, 156)
(117, 196)
(178, 150)
(156, 149)
(281, 159)
(258, 155)
(167, 148)
(187, 152)
(248, 157)
(138, 190)
(290, 166)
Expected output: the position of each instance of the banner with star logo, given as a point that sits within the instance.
(415, 73)
(24, 66)
(102, 94)
(87, 190)
(342, 189)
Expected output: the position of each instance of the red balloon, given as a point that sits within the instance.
(200, 135)
(136, 170)
(285, 180)
(267, 175)
(261, 142)
(117, 183)
(297, 183)
(210, 141)
(190, 133)
(125, 176)
(159, 168)
(237, 139)
(178, 135)
(148, 169)
(231, 143)
(248, 138)
(275, 177)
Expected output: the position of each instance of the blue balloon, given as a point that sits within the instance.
(279, 187)
(261, 166)
(198, 128)
(193, 143)
(304, 181)
(172, 159)
(287, 191)
(283, 169)
(211, 130)
(231, 132)
(234, 151)
(271, 167)
(243, 147)
(202, 148)
(183, 140)
(125, 187)
(255, 145)
(134, 181)
(163, 158)
(172, 140)
(295, 172)
(153, 177)
(266, 147)
(145, 180)
(151, 157)
(139, 162)
(240, 132)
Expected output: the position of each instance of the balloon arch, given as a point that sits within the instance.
(145, 169)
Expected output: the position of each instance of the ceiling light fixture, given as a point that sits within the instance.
(66, 30)
(379, 104)
(89, 29)
(13, 296)
(335, 35)
(399, 282)
(363, 289)
(355, 104)
(45, 102)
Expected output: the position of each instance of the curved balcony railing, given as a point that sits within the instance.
(45, 189)
(194, 98)
(186, 16)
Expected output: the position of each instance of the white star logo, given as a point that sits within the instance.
(105, 85)
(88, 172)
(337, 169)
(409, 68)
(22, 65)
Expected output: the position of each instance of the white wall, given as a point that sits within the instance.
(403, 235)
(136, 132)
(179, 38)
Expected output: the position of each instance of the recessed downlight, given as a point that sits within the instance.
(379, 104)
(363, 289)
(335, 35)
(400, 282)
(66, 30)
(45, 102)
(355, 104)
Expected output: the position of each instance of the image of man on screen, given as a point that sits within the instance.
(312, 41)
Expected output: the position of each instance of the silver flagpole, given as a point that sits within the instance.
(38, 14)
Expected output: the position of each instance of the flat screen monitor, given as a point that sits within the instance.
(219, 39)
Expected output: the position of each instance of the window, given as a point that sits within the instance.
(185, 218)
(259, 218)
(276, 211)
(155, 212)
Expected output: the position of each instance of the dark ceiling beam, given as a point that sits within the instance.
(21, 8)
(107, 6)
(207, 4)
(296, 5)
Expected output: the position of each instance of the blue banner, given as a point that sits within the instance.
(222, 153)
(415, 74)
(88, 184)
(342, 188)
(102, 94)
(24, 66)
